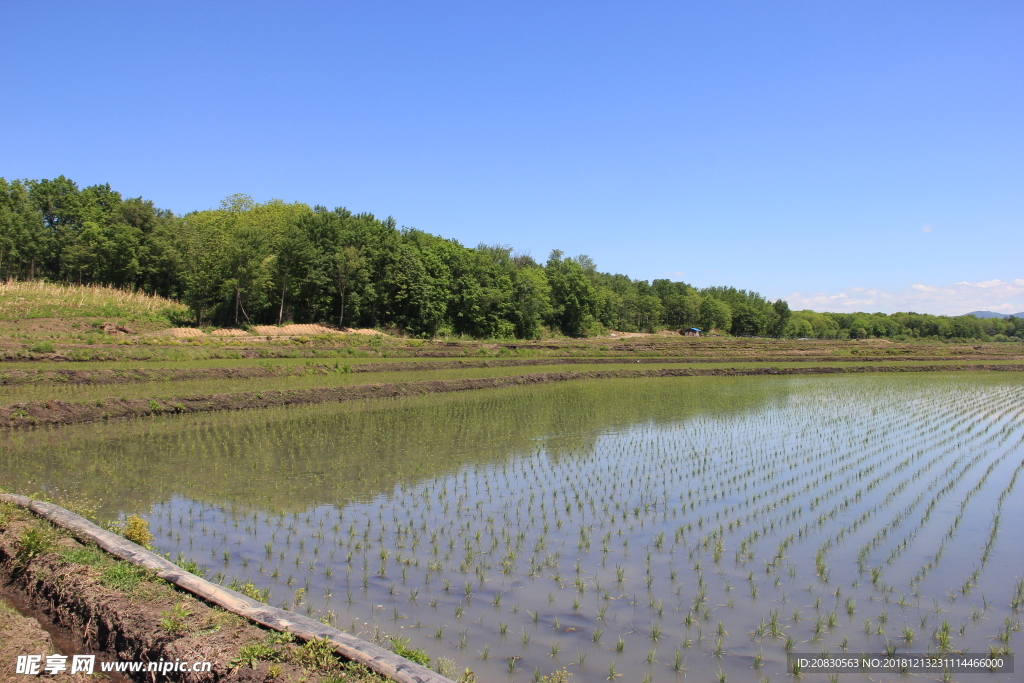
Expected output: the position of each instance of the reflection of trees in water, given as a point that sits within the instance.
(287, 459)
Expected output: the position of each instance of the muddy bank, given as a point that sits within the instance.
(116, 625)
(133, 606)
(64, 413)
(103, 376)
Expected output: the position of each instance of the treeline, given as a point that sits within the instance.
(903, 326)
(249, 263)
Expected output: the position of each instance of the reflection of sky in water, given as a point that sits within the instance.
(660, 536)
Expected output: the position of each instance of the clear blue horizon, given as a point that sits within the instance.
(843, 155)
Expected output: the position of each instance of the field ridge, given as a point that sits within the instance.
(37, 413)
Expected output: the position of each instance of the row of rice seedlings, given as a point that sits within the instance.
(950, 478)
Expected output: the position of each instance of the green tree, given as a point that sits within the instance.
(348, 269)
(59, 203)
(715, 314)
(200, 242)
(531, 295)
(778, 318)
(571, 293)
(748, 320)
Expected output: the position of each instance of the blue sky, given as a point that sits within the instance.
(842, 155)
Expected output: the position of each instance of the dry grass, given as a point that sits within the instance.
(182, 332)
(288, 330)
(38, 299)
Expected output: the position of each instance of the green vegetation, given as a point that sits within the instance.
(188, 617)
(316, 655)
(400, 646)
(249, 263)
(136, 530)
(39, 299)
(34, 541)
(902, 326)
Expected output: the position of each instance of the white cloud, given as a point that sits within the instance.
(954, 299)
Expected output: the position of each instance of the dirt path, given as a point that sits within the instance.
(31, 414)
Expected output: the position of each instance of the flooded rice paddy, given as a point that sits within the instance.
(658, 529)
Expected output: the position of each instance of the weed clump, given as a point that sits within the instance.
(400, 646)
(34, 542)
(136, 530)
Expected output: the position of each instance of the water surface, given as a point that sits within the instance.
(664, 529)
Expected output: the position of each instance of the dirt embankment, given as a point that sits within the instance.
(20, 348)
(103, 376)
(118, 613)
(63, 413)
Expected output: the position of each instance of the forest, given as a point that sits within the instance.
(248, 263)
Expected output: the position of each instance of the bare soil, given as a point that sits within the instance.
(23, 635)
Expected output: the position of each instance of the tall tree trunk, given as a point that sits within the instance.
(280, 311)
(237, 296)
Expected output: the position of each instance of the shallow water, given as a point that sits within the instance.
(662, 528)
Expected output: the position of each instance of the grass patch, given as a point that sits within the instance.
(114, 573)
(91, 556)
(314, 655)
(124, 577)
(400, 646)
(37, 299)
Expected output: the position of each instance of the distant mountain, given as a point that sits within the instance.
(992, 314)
